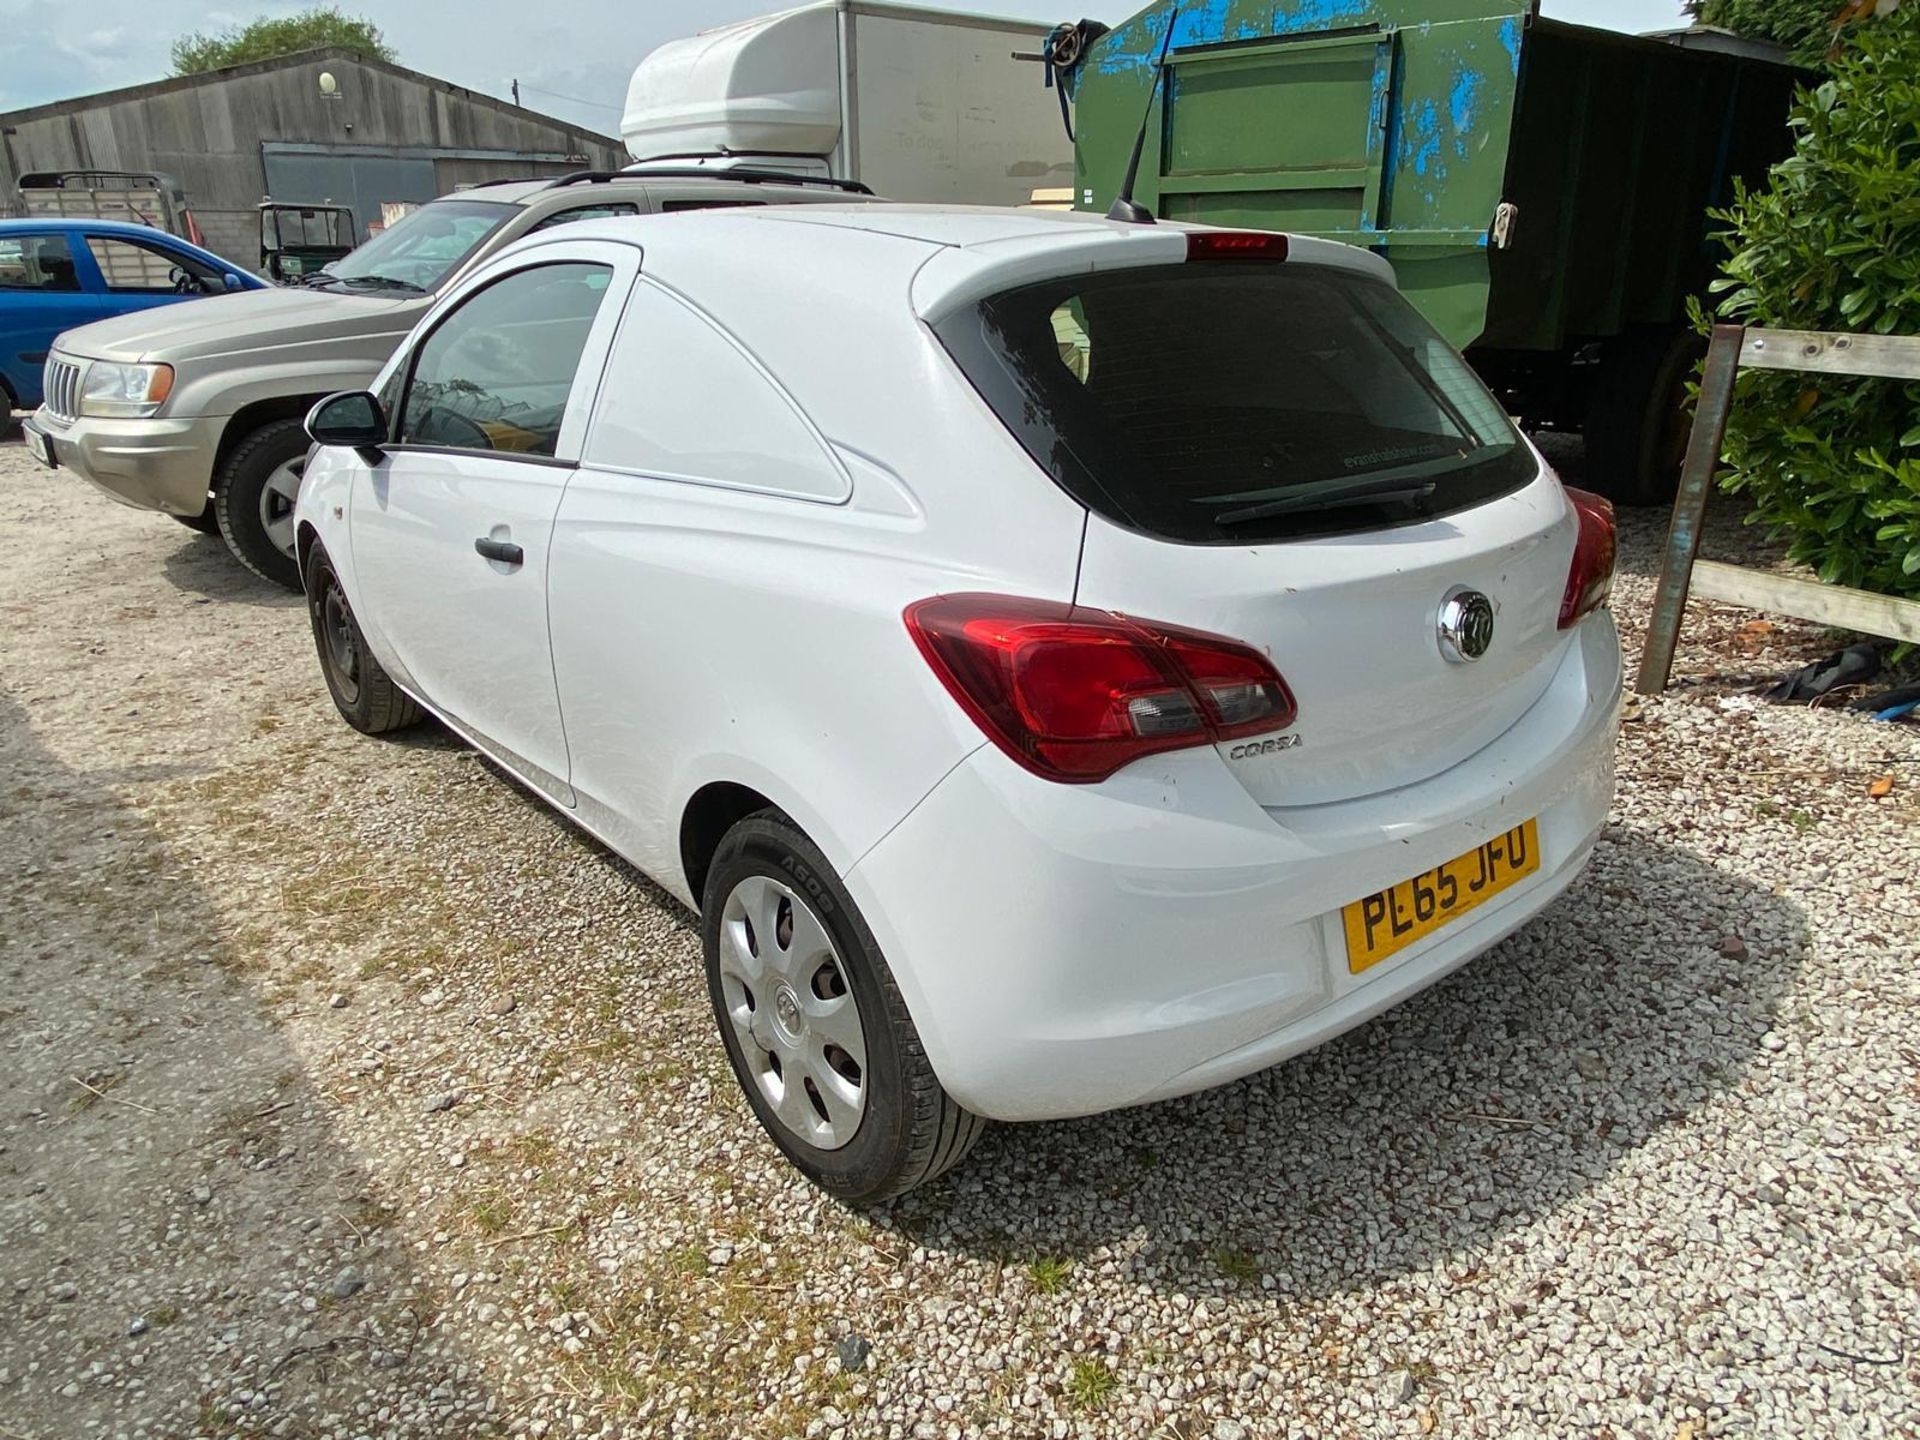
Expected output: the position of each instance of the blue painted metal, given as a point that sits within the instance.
(1398, 140)
(1407, 125)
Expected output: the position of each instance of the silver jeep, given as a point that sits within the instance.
(196, 410)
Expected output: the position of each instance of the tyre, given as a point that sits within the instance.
(253, 496)
(1638, 418)
(814, 1025)
(207, 522)
(363, 693)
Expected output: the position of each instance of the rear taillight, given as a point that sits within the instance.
(1590, 580)
(1235, 245)
(1074, 694)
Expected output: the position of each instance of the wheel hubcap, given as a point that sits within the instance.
(277, 497)
(786, 1014)
(786, 995)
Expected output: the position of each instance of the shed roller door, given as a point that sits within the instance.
(364, 182)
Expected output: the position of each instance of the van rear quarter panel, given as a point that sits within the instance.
(709, 634)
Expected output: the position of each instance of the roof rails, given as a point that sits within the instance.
(745, 176)
(503, 180)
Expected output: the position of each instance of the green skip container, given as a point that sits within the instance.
(1541, 189)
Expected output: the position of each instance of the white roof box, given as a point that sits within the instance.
(770, 85)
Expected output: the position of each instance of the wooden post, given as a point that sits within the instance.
(1690, 508)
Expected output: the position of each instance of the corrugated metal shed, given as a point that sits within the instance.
(387, 134)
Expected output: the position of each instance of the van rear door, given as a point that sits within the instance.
(1287, 454)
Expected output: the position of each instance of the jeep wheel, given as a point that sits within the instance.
(253, 497)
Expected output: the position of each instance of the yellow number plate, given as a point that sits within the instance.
(1391, 920)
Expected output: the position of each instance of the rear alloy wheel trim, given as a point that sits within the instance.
(793, 1012)
(277, 498)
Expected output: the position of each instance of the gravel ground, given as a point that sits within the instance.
(346, 1092)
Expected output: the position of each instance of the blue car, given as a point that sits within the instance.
(56, 274)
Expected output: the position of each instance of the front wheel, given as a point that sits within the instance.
(362, 691)
(254, 494)
(814, 1025)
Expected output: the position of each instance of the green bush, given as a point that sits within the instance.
(274, 35)
(1833, 243)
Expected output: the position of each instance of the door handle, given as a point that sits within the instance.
(505, 551)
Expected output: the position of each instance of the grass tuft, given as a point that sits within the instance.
(1236, 1265)
(1049, 1273)
(1091, 1383)
(493, 1214)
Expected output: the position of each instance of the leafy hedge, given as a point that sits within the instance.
(1833, 243)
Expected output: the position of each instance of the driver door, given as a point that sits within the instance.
(450, 530)
(41, 294)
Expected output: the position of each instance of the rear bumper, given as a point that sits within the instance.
(159, 464)
(1071, 949)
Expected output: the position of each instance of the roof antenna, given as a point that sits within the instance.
(1124, 206)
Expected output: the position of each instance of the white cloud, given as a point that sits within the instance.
(1633, 16)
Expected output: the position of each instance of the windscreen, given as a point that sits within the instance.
(421, 249)
(1230, 402)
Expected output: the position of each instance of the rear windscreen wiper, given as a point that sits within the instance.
(1331, 497)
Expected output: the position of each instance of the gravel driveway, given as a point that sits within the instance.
(344, 1091)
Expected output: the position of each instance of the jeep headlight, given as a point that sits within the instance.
(119, 391)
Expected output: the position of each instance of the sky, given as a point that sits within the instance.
(574, 64)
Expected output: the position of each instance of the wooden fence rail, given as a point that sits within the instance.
(1895, 357)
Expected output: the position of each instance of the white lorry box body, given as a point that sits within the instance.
(919, 105)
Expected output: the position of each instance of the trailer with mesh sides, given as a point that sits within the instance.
(148, 197)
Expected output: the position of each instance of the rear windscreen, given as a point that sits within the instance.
(1238, 401)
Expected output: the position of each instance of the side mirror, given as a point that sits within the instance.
(350, 417)
(231, 281)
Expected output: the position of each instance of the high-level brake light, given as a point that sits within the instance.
(1235, 245)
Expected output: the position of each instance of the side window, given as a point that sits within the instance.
(690, 405)
(132, 265)
(584, 212)
(496, 372)
(36, 262)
